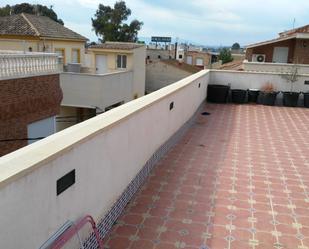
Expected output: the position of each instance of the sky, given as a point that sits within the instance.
(203, 22)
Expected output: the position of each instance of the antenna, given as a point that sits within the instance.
(294, 21)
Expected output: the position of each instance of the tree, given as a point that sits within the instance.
(236, 46)
(5, 11)
(225, 56)
(34, 9)
(109, 23)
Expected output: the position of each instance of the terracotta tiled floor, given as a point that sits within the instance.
(238, 179)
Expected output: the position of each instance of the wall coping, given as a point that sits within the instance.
(29, 75)
(274, 64)
(21, 162)
(97, 75)
(254, 72)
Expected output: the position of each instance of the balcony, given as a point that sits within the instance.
(19, 64)
(236, 178)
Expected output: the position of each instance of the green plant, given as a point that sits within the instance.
(109, 23)
(33, 9)
(225, 56)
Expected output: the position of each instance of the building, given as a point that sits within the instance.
(198, 58)
(159, 54)
(291, 46)
(30, 98)
(31, 33)
(115, 75)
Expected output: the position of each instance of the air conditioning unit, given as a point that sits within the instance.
(258, 57)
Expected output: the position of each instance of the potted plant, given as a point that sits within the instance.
(239, 96)
(253, 95)
(290, 98)
(306, 99)
(217, 93)
(268, 94)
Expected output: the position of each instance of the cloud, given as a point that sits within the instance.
(204, 21)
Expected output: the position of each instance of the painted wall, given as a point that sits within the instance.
(50, 45)
(135, 63)
(68, 46)
(106, 151)
(111, 59)
(139, 72)
(275, 67)
(91, 90)
(160, 74)
(19, 45)
(256, 80)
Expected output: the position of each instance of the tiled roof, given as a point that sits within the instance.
(303, 29)
(15, 25)
(183, 66)
(286, 35)
(234, 65)
(118, 45)
(32, 25)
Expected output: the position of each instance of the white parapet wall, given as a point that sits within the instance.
(106, 152)
(95, 90)
(256, 80)
(275, 67)
(19, 64)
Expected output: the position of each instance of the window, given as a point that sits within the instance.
(41, 128)
(199, 61)
(180, 56)
(75, 55)
(121, 61)
(61, 52)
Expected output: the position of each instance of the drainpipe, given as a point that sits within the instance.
(176, 50)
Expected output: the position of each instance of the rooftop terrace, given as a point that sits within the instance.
(238, 179)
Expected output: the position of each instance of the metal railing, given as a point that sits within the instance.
(17, 64)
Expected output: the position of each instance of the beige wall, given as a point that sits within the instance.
(68, 46)
(19, 45)
(160, 74)
(51, 45)
(275, 67)
(247, 80)
(111, 59)
(91, 90)
(139, 71)
(135, 62)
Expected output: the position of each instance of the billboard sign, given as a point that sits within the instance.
(161, 39)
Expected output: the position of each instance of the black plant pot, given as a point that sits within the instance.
(217, 93)
(239, 96)
(290, 99)
(253, 95)
(306, 99)
(268, 98)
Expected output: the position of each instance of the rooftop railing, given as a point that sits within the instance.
(19, 64)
